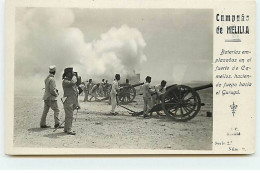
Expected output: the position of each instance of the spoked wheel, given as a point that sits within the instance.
(181, 102)
(126, 94)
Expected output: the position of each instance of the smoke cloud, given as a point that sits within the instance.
(45, 36)
(118, 51)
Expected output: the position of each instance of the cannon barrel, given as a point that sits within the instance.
(203, 87)
(129, 85)
(136, 85)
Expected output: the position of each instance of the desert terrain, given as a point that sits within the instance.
(95, 128)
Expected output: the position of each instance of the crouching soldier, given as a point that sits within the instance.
(71, 101)
(50, 99)
(93, 92)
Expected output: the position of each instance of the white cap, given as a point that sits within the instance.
(52, 68)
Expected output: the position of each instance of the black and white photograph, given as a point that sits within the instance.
(114, 78)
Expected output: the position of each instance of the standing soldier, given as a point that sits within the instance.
(50, 99)
(147, 96)
(105, 89)
(82, 86)
(113, 93)
(128, 91)
(101, 88)
(85, 89)
(71, 101)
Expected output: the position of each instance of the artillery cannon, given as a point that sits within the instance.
(180, 102)
(127, 93)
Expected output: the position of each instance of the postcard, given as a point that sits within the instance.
(129, 77)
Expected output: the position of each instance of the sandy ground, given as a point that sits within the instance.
(96, 129)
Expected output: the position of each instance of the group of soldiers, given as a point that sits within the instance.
(94, 90)
(70, 84)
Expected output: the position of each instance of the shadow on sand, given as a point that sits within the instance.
(55, 135)
(37, 129)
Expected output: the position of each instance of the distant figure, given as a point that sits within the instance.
(93, 92)
(89, 87)
(113, 94)
(50, 99)
(82, 86)
(86, 90)
(128, 91)
(106, 89)
(101, 88)
(147, 96)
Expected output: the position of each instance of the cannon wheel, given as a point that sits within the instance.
(126, 94)
(181, 102)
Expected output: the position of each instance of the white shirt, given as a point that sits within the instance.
(159, 89)
(147, 91)
(115, 87)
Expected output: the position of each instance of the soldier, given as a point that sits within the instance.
(85, 89)
(71, 101)
(88, 89)
(50, 99)
(147, 96)
(102, 88)
(93, 92)
(113, 94)
(128, 93)
(106, 92)
(82, 86)
(160, 89)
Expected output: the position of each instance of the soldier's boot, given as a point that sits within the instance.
(71, 133)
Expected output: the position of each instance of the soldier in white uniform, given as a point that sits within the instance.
(113, 94)
(101, 88)
(50, 99)
(88, 87)
(93, 92)
(85, 91)
(147, 96)
(160, 89)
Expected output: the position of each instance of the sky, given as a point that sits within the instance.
(171, 44)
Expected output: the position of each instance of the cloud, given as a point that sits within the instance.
(120, 50)
(44, 37)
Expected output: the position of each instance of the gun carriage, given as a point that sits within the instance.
(180, 102)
